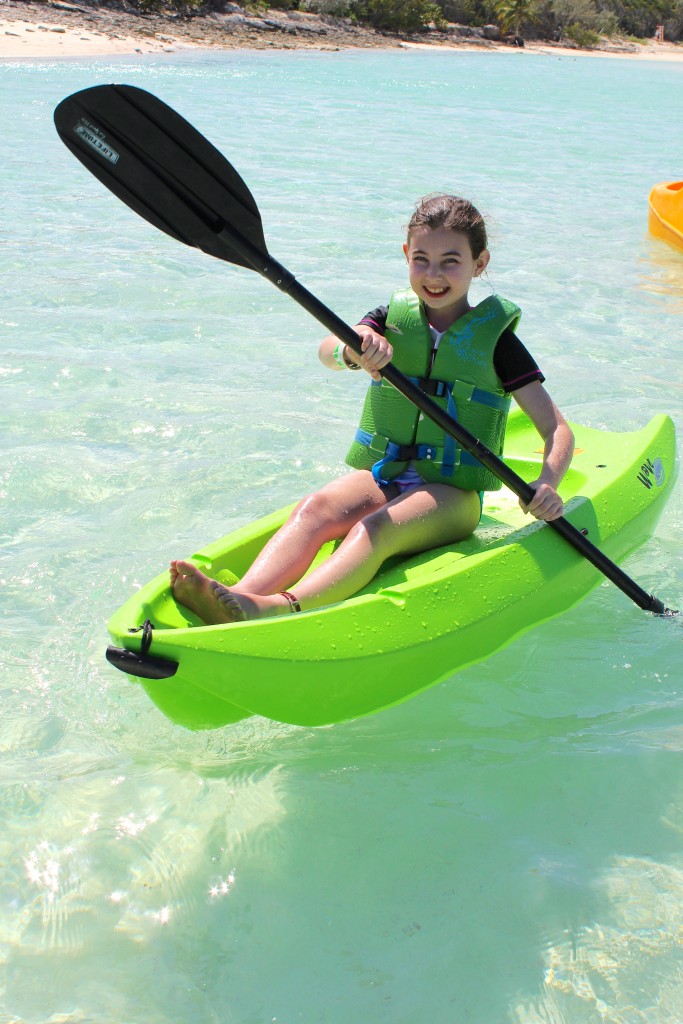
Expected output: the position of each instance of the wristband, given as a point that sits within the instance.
(338, 355)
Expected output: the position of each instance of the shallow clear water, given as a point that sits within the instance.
(505, 847)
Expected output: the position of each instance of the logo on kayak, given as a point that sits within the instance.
(652, 474)
(96, 138)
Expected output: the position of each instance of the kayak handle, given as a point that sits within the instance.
(145, 666)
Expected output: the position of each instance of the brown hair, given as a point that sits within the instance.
(441, 210)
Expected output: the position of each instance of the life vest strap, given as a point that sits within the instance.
(433, 388)
(465, 392)
(451, 455)
(392, 452)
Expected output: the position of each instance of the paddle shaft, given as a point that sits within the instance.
(278, 275)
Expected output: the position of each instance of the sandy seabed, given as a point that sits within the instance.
(59, 28)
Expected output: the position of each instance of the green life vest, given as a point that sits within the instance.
(462, 380)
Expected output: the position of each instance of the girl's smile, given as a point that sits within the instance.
(441, 268)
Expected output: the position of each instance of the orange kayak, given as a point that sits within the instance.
(666, 212)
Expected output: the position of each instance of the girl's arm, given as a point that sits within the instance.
(377, 352)
(559, 448)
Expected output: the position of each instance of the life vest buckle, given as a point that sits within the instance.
(432, 387)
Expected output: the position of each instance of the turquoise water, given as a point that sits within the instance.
(507, 847)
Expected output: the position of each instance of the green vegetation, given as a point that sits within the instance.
(583, 37)
(512, 14)
(582, 22)
(385, 15)
(398, 15)
(578, 22)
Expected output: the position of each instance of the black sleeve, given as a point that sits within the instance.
(513, 364)
(377, 319)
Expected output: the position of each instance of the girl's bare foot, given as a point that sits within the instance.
(216, 604)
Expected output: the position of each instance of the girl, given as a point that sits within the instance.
(412, 488)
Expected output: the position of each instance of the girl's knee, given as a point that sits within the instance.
(377, 526)
(316, 507)
(323, 513)
(341, 503)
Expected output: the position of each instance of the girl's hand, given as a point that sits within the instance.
(377, 351)
(546, 503)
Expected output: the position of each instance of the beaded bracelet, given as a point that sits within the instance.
(349, 366)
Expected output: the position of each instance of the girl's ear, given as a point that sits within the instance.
(481, 262)
(405, 250)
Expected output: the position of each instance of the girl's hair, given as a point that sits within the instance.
(441, 210)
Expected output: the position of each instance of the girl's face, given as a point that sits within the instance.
(441, 267)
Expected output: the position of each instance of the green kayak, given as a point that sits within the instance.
(419, 621)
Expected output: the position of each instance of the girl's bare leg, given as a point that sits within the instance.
(420, 519)
(328, 514)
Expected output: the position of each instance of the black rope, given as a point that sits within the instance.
(146, 629)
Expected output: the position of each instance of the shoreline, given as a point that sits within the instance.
(64, 29)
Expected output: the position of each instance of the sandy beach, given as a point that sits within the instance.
(59, 28)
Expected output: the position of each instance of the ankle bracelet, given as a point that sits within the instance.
(294, 605)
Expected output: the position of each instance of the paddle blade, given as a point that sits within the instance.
(163, 168)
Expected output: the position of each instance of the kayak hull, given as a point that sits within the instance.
(665, 212)
(422, 619)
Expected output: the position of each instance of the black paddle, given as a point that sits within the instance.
(160, 166)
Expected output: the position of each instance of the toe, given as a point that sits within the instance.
(186, 568)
